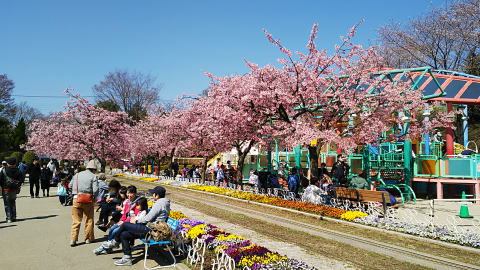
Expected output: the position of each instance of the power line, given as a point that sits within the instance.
(29, 96)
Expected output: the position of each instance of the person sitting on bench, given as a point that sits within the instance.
(129, 231)
(359, 181)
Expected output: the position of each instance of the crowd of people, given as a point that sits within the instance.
(122, 212)
(296, 180)
(225, 175)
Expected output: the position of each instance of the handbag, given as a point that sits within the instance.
(83, 197)
(61, 191)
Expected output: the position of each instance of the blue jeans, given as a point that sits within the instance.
(128, 232)
(9, 203)
(292, 188)
(62, 199)
(113, 231)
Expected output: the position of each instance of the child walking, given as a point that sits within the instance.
(62, 189)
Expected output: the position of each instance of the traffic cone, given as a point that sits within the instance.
(464, 207)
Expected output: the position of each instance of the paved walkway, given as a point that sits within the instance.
(41, 236)
(445, 214)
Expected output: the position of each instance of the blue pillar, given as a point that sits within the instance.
(427, 136)
(465, 125)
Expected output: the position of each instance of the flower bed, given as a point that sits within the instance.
(352, 215)
(302, 206)
(177, 215)
(423, 230)
(244, 252)
(433, 232)
(149, 179)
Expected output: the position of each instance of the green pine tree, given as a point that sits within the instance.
(19, 136)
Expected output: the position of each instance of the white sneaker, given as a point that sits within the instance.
(98, 250)
(126, 260)
(110, 244)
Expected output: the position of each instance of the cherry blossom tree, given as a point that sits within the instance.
(82, 131)
(220, 122)
(338, 98)
(228, 116)
(160, 135)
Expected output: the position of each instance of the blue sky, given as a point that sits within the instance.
(49, 45)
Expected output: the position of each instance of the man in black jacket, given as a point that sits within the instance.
(340, 171)
(11, 180)
(34, 172)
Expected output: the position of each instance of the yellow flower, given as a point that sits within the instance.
(150, 204)
(177, 215)
(229, 237)
(196, 231)
(351, 215)
(268, 258)
(219, 248)
(149, 179)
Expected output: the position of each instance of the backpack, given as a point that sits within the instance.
(11, 182)
(292, 180)
(23, 168)
(159, 231)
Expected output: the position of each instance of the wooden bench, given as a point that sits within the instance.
(362, 195)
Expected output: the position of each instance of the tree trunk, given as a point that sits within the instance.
(157, 162)
(240, 165)
(170, 161)
(312, 151)
(204, 169)
(103, 164)
(242, 154)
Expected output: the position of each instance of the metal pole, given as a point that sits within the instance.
(465, 125)
(407, 162)
(277, 157)
(427, 136)
(450, 146)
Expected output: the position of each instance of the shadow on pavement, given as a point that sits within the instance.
(23, 196)
(40, 217)
(3, 227)
(158, 255)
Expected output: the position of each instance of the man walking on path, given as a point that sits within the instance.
(83, 184)
(11, 180)
(45, 176)
(34, 172)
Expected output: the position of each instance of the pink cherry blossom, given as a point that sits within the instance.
(83, 131)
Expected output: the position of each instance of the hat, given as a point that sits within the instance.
(4, 162)
(11, 161)
(158, 190)
(102, 176)
(92, 165)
